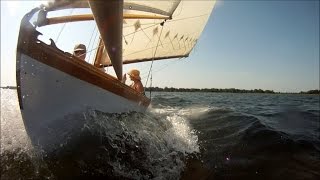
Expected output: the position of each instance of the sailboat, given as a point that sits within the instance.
(55, 87)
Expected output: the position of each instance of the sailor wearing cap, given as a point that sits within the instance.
(80, 51)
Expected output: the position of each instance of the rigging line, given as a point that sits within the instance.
(94, 28)
(63, 26)
(132, 37)
(150, 86)
(180, 8)
(145, 34)
(146, 49)
(91, 40)
(162, 24)
(124, 38)
(160, 42)
(141, 29)
(142, 24)
(169, 20)
(162, 67)
(96, 47)
(173, 20)
(171, 42)
(91, 50)
(94, 41)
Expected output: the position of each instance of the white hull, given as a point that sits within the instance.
(49, 96)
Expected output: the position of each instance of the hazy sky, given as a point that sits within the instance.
(245, 45)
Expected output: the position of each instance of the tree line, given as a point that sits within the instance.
(316, 91)
(226, 90)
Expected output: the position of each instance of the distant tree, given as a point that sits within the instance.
(315, 91)
(227, 90)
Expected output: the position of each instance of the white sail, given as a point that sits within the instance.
(147, 39)
(162, 7)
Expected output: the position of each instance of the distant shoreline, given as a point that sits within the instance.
(228, 90)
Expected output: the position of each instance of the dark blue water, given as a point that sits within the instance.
(182, 136)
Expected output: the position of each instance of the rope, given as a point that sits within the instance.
(64, 24)
(162, 24)
(94, 42)
(161, 68)
(94, 28)
(150, 85)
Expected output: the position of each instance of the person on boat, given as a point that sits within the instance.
(135, 77)
(80, 51)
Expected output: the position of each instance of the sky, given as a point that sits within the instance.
(270, 45)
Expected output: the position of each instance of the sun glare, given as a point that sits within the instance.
(15, 6)
(12, 7)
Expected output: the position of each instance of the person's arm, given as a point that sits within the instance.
(140, 88)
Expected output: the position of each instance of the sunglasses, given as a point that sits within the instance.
(79, 52)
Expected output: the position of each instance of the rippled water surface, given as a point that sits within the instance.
(181, 136)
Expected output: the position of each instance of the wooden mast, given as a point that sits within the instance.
(109, 18)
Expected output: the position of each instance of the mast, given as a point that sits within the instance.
(109, 18)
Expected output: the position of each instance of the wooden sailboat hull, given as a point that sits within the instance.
(54, 103)
(55, 89)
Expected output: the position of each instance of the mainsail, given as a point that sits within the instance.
(150, 30)
(156, 39)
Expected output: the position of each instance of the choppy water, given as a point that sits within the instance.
(182, 136)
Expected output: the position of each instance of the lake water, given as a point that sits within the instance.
(181, 136)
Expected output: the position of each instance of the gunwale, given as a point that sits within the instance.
(50, 55)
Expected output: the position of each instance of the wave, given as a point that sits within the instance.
(233, 140)
(250, 147)
(117, 146)
(297, 123)
(171, 101)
